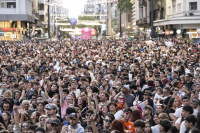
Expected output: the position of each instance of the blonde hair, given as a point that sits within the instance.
(163, 116)
(8, 92)
(96, 82)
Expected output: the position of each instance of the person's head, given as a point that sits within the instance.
(40, 106)
(25, 104)
(173, 102)
(56, 125)
(39, 130)
(118, 125)
(73, 119)
(32, 128)
(88, 129)
(186, 111)
(112, 106)
(173, 129)
(84, 95)
(6, 116)
(125, 89)
(194, 131)
(127, 114)
(25, 126)
(194, 103)
(6, 106)
(39, 98)
(160, 108)
(148, 110)
(104, 109)
(104, 96)
(166, 91)
(108, 120)
(159, 90)
(54, 87)
(190, 121)
(89, 113)
(10, 128)
(156, 119)
(42, 120)
(51, 109)
(139, 126)
(68, 99)
(163, 116)
(47, 125)
(186, 100)
(35, 116)
(147, 128)
(8, 95)
(147, 95)
(164, 126)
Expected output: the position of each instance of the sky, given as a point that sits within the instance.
(74, 6)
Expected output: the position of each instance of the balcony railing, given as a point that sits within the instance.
(141, 21)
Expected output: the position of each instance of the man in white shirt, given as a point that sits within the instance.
(186, 102)
(180, 124)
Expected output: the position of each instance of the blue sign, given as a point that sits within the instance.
(73, 21)
(103, 27)
(148, 30)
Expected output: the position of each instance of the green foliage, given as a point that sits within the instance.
(113, 22)
(124, 5)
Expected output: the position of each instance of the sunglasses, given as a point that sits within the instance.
(106, 120)
(54, 125)
(88, 115)
(128, 113)
(26, 126)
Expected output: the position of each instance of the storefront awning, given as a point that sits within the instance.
(178, 21)
(17, 17)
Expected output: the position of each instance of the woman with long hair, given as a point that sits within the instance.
(147, 128)
(104, 110)
(35, 117)
(42, 120)
(6, 117)
(171, 107)
(163, 77)
(135, 115)
(47, 126)
(118, 125)
(80, 103)
(2, 123)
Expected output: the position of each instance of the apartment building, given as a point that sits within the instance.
(181, 15)
(16, 17)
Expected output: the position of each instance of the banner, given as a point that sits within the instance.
(86, 33)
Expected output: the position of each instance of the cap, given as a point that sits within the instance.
(127, 109)
(148, 92)
(73, 115)
(51, 106)
(126, 86)
(56, 121)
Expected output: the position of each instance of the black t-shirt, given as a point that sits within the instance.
(51, 93)
(166, 101)
(171, 110)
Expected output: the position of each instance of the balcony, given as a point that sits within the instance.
(142, 22)
(41, 1)
(142, 3)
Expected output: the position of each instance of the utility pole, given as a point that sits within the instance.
(49, 20)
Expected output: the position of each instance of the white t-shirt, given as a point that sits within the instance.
(179, 111)
(118, 115)
(182, 126)
(155, 129)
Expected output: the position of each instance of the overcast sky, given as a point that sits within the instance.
(74, 6)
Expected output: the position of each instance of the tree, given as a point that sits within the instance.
(124, 5)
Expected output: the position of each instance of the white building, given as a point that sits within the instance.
(15, 16)
(181, 14)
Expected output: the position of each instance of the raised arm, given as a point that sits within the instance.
(96, 102)
(23, 94)
(60, 92)
(16, 115)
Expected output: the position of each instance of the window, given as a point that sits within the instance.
(7, 4)
(193, 5)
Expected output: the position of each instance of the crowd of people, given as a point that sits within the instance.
(100, 86)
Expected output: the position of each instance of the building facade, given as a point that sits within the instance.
(16, 17)
(182, 15)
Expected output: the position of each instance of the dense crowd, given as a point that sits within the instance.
(100, 86)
